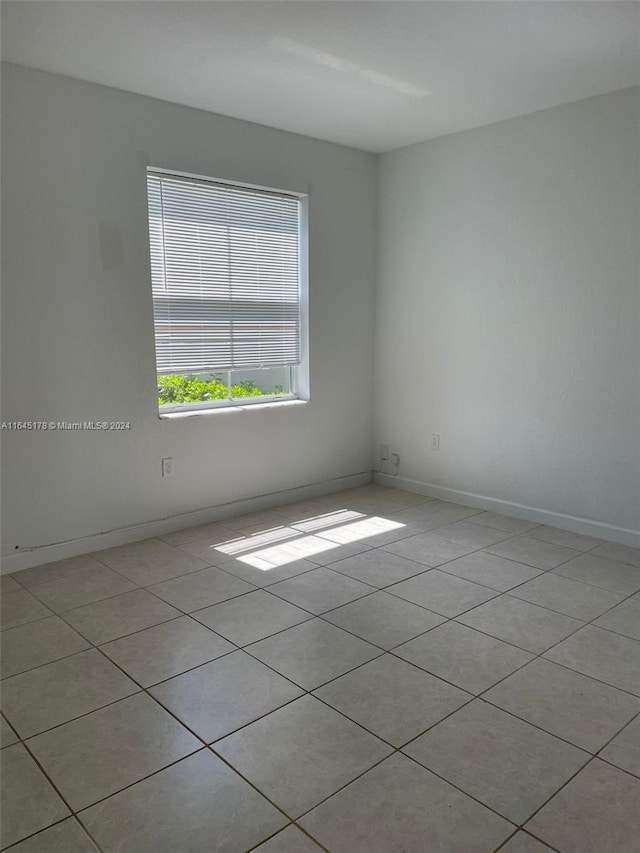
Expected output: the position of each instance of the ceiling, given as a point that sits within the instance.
(373, 75)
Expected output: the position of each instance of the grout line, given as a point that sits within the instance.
(71, 817)
(555, 794)
(50, 780)
(78, 812)
(204, 745)
(271, 837)
(314, 840)
(55, 660)
(306, 692)
(421, 766)
(86, 830)
(527, 834)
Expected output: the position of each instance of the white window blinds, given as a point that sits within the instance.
(225, 275)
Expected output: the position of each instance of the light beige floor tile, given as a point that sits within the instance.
(593, 569)
(212, 534)
(312, 653)
(265, 518)
(198, 801)
(383, 619)
(624, 749)
(556, 536)
(102, 752)
(428, 548)
(261, 577)
(207, 551)
(421, 518)
(327, 556)
(266, 532)
(7, 734)
(392, 529)
(29, 802)
(596, 811)
(65, 837)
(397, 497)
(320, 590)
(8, 584)
(373, 506)
(490, 570)
(601, 654)
(277, 553)
(467, 658)
(19, 607)
(248, 543)
(165, 650)
(565, 703)
(528, 626)
(37, 700)
(149, 561)
(301, 754)
(332, 520)
(442, 593)
(290, 840)
(301, 510)
(370, 537)
(220, 697)
(504, 522)
(448, 509)
(378, 568)
(378, 490)
(623, 619)
(399, 805)
(71, 567)
(392, 699)
(37, 643)
(251, 617)
(472, 535)
(524, 843)
(200, 589)
(533, 552)
(91, 585)
(115, 617)
(338, 498)
(579, 600)
(618, 553)
(504, 762)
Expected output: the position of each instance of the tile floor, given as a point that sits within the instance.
(368, 672)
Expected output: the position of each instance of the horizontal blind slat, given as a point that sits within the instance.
(225, 279)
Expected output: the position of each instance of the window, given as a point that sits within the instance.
(229, 297)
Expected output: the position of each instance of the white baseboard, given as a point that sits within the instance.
(88, 544)
(575, 524)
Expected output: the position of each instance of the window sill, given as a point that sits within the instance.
(226, 410)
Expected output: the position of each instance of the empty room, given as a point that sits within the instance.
(320, 426)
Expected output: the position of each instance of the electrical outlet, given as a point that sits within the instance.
(435, 441)
(167, 467)
(395, 458)
(383, 452)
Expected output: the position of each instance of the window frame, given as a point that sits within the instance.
(299, 373)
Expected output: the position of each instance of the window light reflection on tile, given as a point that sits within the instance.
(289, 552)
(329, 519)
(258, 540)
(360, 530)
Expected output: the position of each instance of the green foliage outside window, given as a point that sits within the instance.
(176, 389)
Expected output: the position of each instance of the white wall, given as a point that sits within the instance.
(77, 315)
(508, 310)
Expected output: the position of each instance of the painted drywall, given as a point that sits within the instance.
(77, 312)
(508, 310)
